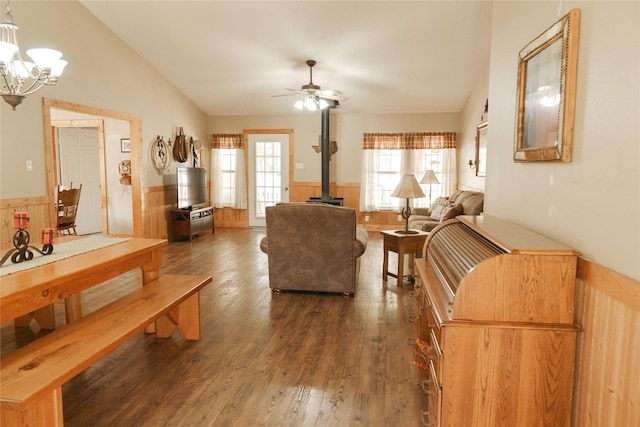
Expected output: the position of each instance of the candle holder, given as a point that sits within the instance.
(22, 250)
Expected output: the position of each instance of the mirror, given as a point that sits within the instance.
(481, 149)
(546, 93)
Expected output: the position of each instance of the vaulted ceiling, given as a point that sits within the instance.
(230, 57)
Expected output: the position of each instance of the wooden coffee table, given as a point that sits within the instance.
(402, 244)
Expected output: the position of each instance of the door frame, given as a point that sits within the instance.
(135, 129)
(246, 133)
(78, 123)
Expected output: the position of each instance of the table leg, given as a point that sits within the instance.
(45, 317)
(400, 277)
(385, 263)
(151, 272)
(73, 307)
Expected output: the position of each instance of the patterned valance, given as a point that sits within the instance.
(409, 141)
(227, 140)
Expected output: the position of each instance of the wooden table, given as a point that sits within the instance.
(402, 244)
(31, 293)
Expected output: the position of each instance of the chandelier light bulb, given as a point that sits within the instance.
(7, 50)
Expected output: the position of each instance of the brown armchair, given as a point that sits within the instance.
(313, 247)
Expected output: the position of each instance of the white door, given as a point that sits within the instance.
(268, 174)
(79, 162)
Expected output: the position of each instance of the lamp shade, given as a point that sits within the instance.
(408, 188)
(429, 178)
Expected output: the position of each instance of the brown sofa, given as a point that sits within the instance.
(313, 247)
(443, 208)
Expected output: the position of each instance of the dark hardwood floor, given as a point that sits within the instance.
(291, 359)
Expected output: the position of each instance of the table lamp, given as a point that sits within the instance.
(429, 178)
(407, 189)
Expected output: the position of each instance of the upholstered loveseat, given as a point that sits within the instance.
(443, 208)
(313, 247)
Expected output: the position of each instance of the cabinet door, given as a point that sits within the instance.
(506, 376)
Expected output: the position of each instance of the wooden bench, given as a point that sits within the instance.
(31, 377)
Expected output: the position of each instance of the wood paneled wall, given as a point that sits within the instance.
(38, 210)
(157, 211)
(607, 387)
(303, 191)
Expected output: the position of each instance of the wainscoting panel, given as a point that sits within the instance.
(38, 211)
(607, 387)
(159, 201)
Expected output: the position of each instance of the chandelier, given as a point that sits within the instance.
(311, 102)
(21, 78)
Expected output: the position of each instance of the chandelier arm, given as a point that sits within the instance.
(33, 88)
(6, 83)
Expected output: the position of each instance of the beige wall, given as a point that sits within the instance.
(347, 129)
(592, 203)
(103, 72)
(472, 115)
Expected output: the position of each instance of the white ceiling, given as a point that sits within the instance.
(230, 57)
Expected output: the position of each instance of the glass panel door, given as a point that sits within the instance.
(268, 174)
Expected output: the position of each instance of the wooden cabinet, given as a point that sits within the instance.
(495, 339)
(187, 223)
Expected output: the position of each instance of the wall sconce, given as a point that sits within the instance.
(471, 163)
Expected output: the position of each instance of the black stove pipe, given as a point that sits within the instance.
(325, 155)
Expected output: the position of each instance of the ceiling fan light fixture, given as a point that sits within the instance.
(310, 103)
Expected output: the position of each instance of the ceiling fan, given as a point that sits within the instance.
(314, 97)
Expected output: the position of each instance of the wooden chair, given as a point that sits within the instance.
(67, 209)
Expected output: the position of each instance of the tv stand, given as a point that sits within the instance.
(190, 222)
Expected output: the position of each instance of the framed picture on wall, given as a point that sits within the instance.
(481, 149)
(125, 145)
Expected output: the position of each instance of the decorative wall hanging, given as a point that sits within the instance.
(333, 147)
(196, 152)
(180, 148)
(546, 93)
(481, 149)
(159, 152)
(125, 145)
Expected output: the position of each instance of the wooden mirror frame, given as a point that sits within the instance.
(481, 149)
(546, 93)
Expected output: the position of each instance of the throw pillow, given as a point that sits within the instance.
(439, 207)
(452, 211)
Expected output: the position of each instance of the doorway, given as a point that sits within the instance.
(80, 149)
(269, 159)
(134, 124)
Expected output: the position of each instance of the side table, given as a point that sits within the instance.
(402, 244)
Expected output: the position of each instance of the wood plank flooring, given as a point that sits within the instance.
(291, 359)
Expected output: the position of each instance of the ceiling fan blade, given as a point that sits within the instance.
(333, 97)
(329, 92)
(293, 92)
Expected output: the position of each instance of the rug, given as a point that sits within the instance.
(61, 251)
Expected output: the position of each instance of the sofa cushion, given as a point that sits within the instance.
(439, 207)
(451, 212)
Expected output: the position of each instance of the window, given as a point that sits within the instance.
(386, 157)
(227, 176)
(386, 177)
(228, 188)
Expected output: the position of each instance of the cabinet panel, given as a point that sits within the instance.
(187, 223)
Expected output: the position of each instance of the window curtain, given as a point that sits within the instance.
(234, 142)
(411, 161)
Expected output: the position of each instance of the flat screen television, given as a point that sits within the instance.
(192, 187)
